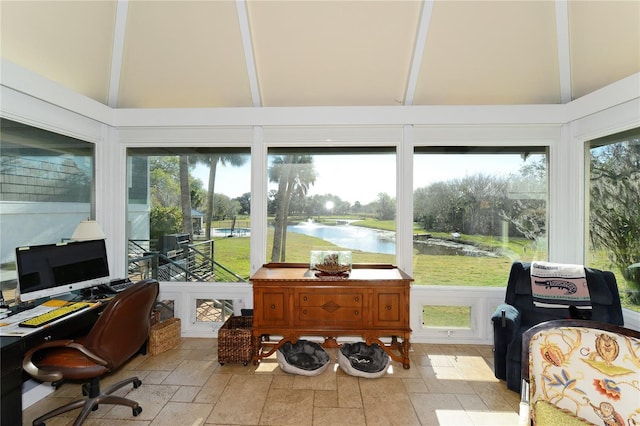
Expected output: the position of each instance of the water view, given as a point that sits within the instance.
(376, 241)
(350, 237)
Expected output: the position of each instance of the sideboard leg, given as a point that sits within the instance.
(406, 346)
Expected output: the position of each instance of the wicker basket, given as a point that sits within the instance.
(234, 340)
(164, 335)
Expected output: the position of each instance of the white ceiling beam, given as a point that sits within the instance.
(418, 51)
(122, 9)
(564, 52)
(245, 31)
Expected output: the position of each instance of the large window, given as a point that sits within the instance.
(46, 189)
(332, 199)
(188, 214)
(476, 211)
(614, 215)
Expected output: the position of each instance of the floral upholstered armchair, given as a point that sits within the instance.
(580, 372)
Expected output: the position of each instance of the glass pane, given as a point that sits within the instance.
(446, 316)
(46, 189)
(210, 310)
(332, 199)
(614, 215)
(184, 205)
(163, 310)
(476, 211)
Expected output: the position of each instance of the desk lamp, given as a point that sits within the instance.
(88, 230)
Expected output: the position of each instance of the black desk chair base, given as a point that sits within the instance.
(93, 398)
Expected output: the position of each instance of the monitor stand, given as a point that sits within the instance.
(65, 296)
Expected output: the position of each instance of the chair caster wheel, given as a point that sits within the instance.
(221, 363)
(137, 411)
(39, 424)
(137, 383)
(245, 363)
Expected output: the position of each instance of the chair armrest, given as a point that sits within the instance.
(506, 316)
(49, 375)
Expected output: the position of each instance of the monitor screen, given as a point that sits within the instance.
(54, 269)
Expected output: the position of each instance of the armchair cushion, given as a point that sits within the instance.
(584, 368)
(548, 414)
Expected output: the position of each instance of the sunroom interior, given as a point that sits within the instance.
(137, 79)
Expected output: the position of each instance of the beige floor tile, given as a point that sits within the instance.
(288, 407)
(338, 416)
(242, 400)
(349, 395)
(493, 418)
(325, 399)
(453, 386)
(155, 377)
(396, 409)
(213, 388)
(191, 372)
(439, 409)
(324, 381)
(446, 385)
(415, 385)
(396, 370)
(178, 413)
(186, 393)
(283, 381)
(152, 398)
(165, 361)
(107, 422)
(198, 343)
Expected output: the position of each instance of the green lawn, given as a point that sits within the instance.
(233, 253)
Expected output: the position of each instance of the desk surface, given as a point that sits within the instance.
(14, 347)
(9, 326)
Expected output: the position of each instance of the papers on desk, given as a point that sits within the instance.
(9, 325)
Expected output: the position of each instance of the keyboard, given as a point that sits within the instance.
(53, 315)
(121, 286)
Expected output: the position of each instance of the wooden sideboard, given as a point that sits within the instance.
(290, 301)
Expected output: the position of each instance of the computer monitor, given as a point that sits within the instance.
(55, 269)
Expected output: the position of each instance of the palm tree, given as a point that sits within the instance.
(212, 161)
(185, 196)
(294, 174)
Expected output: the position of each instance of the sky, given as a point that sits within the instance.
(361, 178)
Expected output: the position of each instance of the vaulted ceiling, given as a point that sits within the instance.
(274, 53)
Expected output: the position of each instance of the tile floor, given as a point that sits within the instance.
(446, 385)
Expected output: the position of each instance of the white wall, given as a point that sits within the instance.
(30, 99)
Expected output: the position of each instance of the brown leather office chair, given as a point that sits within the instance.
(118, 334)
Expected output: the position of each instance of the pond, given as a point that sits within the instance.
(228, 232)
(376, 241)
(350, 237)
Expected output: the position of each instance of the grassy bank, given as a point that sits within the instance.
(427, 269)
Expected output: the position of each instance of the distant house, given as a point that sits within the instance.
(197, 220)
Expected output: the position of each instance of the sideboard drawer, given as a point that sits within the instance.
(329, 299)
(319, 316)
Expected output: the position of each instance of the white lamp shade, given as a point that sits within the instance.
(88, 230)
